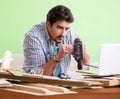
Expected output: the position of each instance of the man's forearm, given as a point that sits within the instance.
(49, 67)
(86, 58)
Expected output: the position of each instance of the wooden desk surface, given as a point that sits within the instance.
(104, 93)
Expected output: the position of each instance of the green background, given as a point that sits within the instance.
(96, 21)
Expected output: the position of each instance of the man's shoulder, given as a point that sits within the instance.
(37, 29)
(40, 27)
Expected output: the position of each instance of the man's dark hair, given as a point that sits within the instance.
(59, 12)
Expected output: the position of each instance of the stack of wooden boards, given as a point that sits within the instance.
(50, 80)
(43, 85)
(85, 83)
(48, 85)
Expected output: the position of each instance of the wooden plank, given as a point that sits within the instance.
(49, 87)
(39, 89)
(4, 83)
(51, 80)
(107, 81)
(29, 89)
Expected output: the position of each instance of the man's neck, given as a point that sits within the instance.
(54, 42)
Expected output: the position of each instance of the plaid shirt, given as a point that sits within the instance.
(39, 49)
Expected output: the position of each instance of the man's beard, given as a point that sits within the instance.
(58, 38)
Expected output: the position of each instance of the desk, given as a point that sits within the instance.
(104, 93)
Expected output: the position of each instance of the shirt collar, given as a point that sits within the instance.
(46, 32)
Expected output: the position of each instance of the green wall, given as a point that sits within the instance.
(96, 21)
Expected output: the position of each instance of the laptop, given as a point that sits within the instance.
(109, 61)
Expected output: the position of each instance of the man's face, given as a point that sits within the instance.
(58, 30)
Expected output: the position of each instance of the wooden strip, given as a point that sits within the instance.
(107, 82)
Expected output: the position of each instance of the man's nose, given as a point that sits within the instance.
(63, 33)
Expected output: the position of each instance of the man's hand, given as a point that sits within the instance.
(65, 49)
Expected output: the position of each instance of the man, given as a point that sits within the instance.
(48, 46)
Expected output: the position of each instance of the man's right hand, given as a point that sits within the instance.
(65, 49)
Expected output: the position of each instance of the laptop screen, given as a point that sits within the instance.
(109, 63)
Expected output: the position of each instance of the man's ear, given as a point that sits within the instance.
(48, 24)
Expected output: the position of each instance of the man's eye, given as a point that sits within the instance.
(59, 27)
(67, 29)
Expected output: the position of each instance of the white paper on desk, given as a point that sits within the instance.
(75, 75)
